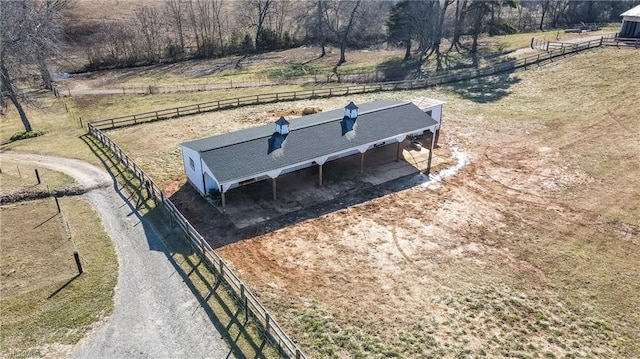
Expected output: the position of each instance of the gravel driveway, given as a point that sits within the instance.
(155, 315)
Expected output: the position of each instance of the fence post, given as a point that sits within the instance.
(266, 322)
(246, 309)
(37, 176)
(221, 268)
(532, 42)
(76, 256)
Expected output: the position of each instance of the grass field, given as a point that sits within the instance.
(21, 177)
(62, 131)
(46, 307)
(295, 62)
(530, 251)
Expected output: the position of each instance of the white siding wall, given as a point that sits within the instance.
(191, 161)
(436, 114)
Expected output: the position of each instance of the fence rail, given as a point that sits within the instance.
(243, 295)
(223, 104)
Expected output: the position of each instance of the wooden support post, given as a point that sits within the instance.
(273, 187)
(433, 141)
(224, 201)
(76, 256)
(362, 163)
(398, 152)
(320, 175)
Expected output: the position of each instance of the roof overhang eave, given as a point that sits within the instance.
(226, 184)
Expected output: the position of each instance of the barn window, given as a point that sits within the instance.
(192, 164)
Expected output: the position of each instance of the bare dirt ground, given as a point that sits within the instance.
(513, 256)
(530, 250)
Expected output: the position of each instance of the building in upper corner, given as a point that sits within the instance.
(219, 163)
(630, 24)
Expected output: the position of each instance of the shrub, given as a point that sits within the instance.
(24, 135)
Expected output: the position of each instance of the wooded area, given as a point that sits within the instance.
(177, 29)
(34, 33)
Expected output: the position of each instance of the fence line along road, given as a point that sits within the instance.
(241, 293)
(217, 105)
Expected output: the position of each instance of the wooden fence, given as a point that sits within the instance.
(217, 105)
(618, 41)
(243, 296)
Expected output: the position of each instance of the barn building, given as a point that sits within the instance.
(630, 24)
(220, 163)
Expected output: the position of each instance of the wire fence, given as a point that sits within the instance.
(243, 296)
(468, 74)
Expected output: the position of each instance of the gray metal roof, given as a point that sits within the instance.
(244, 153)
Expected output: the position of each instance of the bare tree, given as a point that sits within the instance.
(29, 33)
(254, 14)
(461, 11)
(320, 27)
(277, 18)
(148, 22)
(312, 20)
(175, 11)
(545, 7)
(339, 16)
(204, 19)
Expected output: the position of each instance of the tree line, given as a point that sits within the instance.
(34, 32)
(179, 29)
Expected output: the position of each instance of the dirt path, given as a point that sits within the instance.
(156, 315)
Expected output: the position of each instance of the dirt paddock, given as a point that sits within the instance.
(253, 203)
(530, 250)
(498, 260)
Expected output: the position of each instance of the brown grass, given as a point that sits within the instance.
(62, 131)
(45, 307)
(530, 251)
(20, 177)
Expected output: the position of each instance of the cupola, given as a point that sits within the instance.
(282, 126)
(351, 111)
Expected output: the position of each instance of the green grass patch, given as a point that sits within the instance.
(44, 302)
(24, 135)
